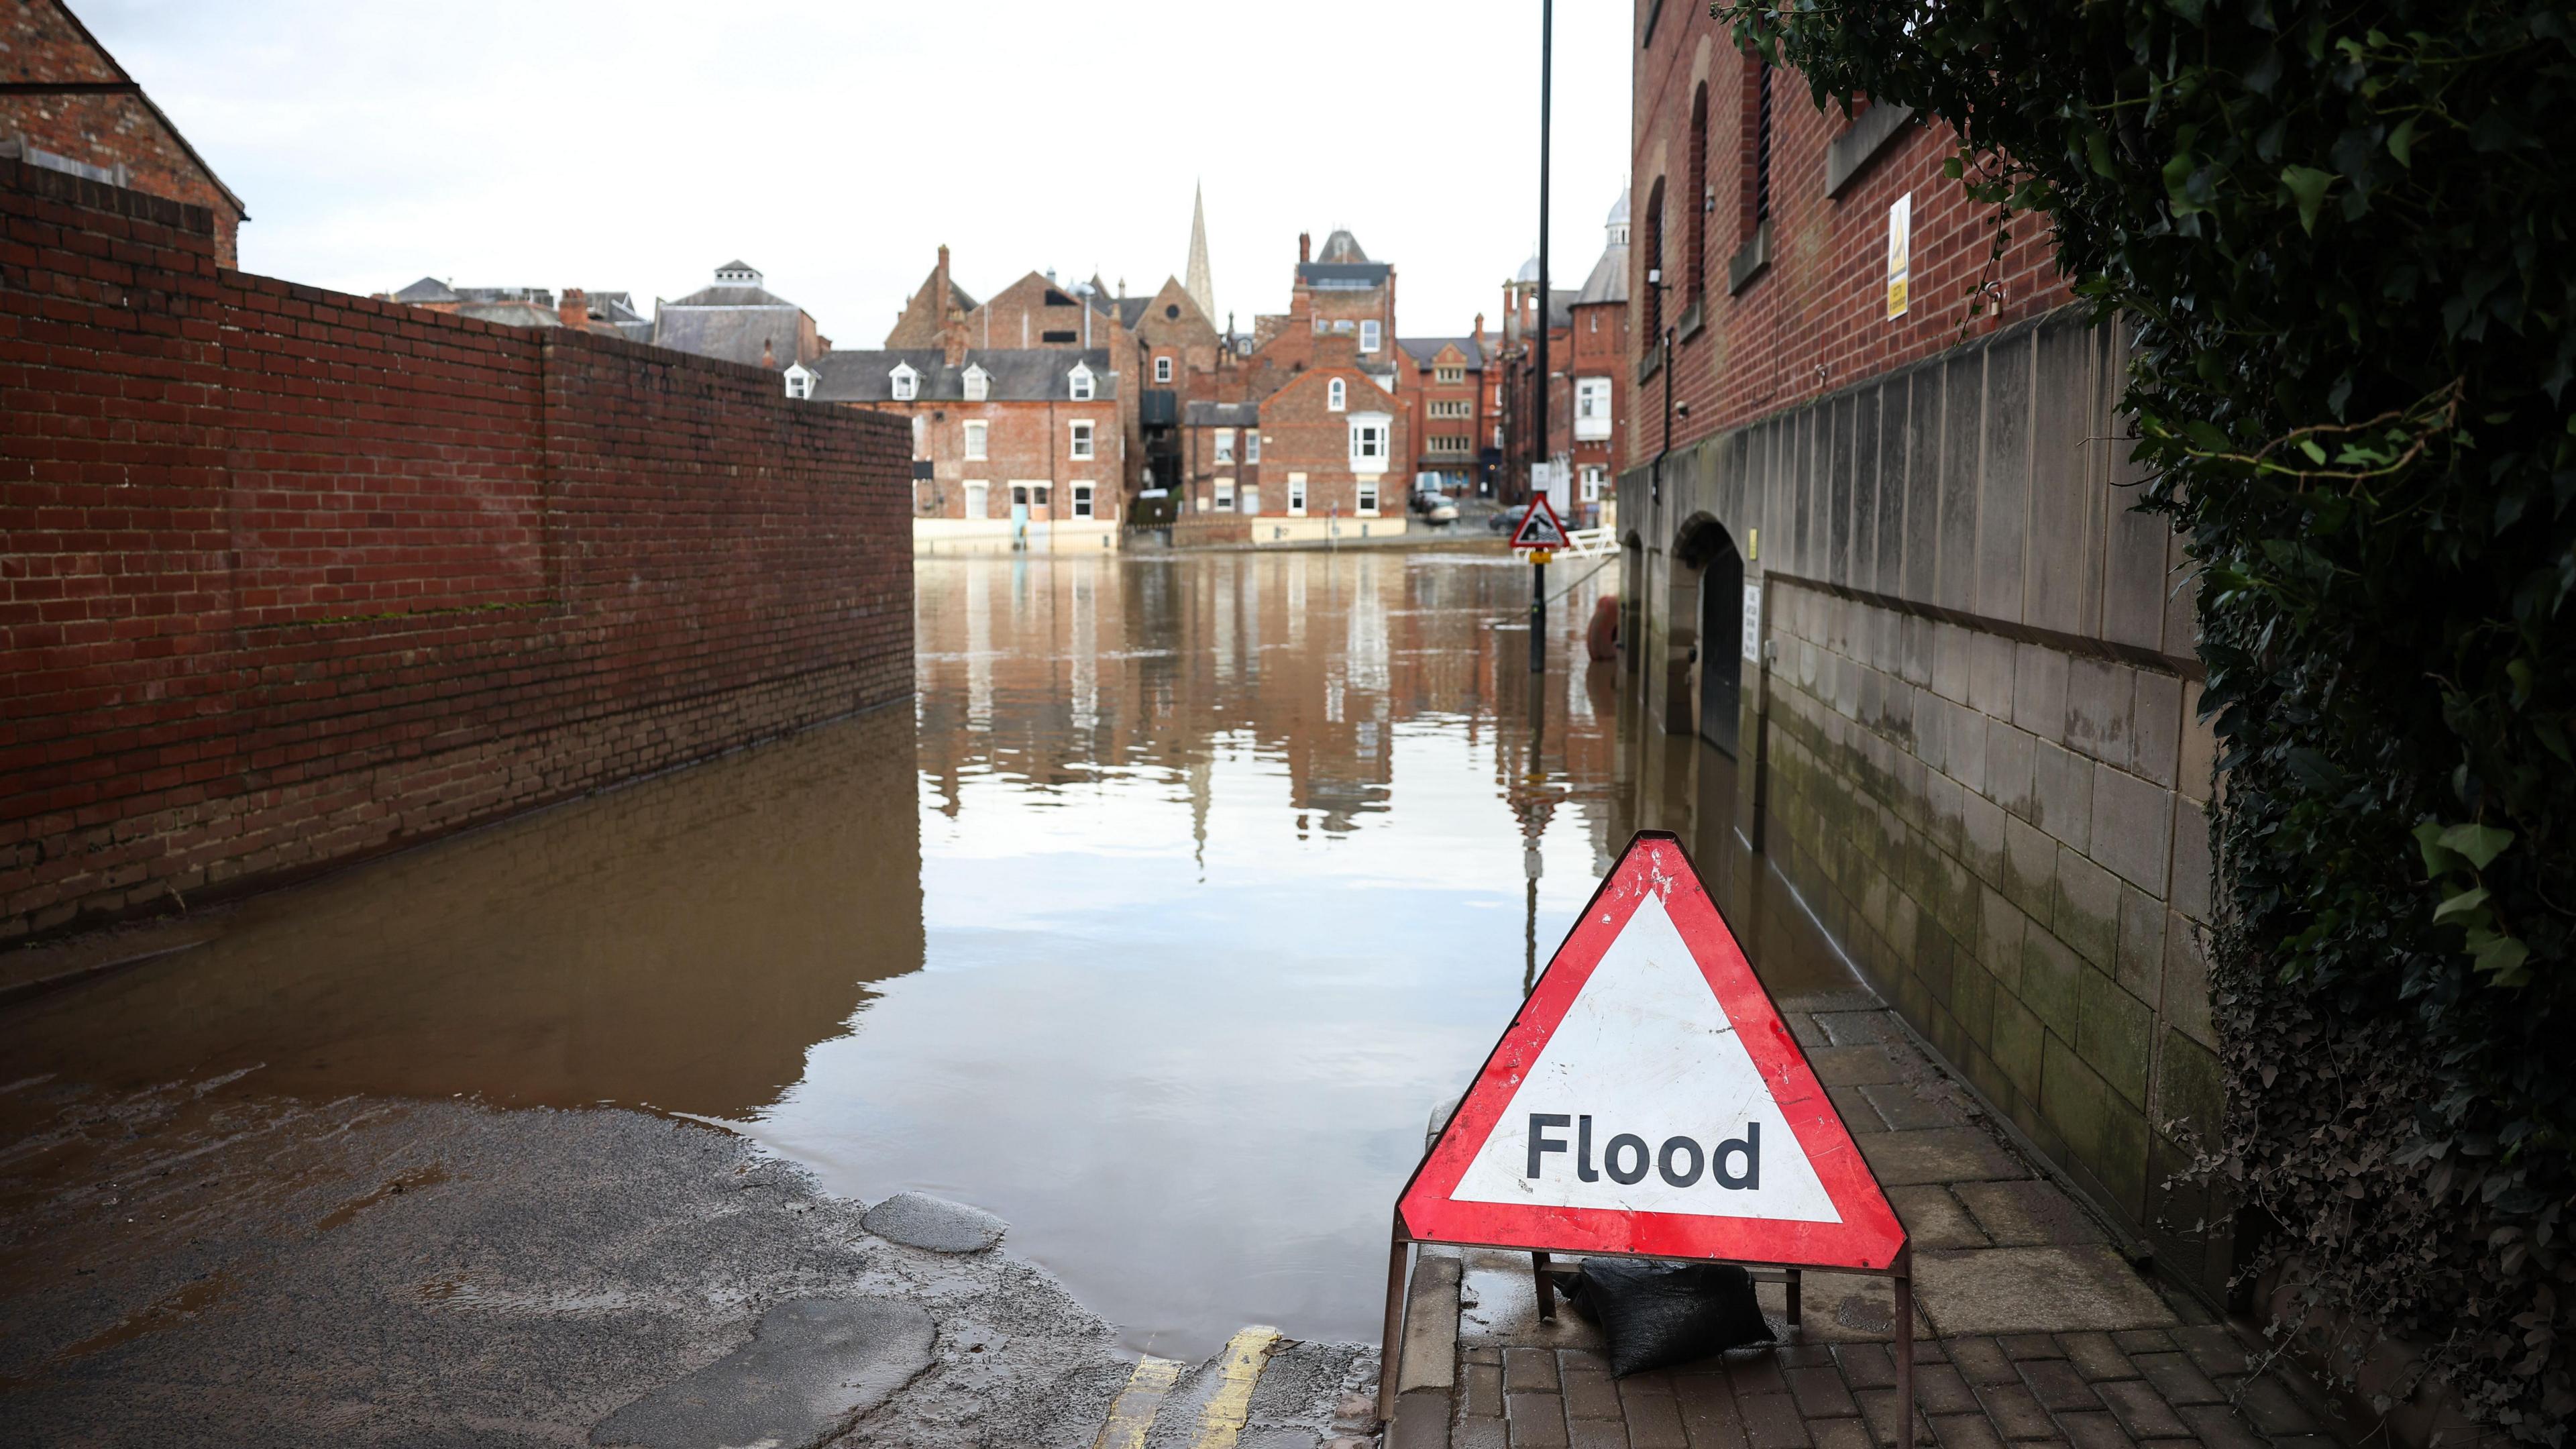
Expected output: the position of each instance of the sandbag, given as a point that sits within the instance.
(1656, 1315)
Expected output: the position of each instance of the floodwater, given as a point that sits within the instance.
(1157, 926)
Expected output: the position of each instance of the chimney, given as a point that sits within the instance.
(768, 358)
(575, 310)
(1480, 329)
(939, 289)
(1305, 248)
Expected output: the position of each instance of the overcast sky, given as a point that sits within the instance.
(634, 146)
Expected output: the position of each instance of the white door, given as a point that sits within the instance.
(975, 493)
(1249, 499)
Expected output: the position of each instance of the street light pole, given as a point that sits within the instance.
(1538, 569)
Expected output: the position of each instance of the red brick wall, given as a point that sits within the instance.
(294, 576)
(1816, 320)
(1301, 433)
(1024, 441)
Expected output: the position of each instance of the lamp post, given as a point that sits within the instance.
(1538, 557)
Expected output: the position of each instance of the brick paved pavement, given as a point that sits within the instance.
(2031, 1327)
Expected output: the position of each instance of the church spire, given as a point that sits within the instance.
(1201, 289)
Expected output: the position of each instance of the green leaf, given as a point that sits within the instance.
(2480, 843)
(2315, 453)
(2308, 186)
(2439, 859)
(2460, 905)
(2503, 956)
(2401, 142)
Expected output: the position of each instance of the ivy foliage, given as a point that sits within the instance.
(2341, 235)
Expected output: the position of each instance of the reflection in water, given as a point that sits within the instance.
(1205, 879)
(681, 943)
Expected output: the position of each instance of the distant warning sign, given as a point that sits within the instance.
(1649, 1100)
(1540, 527)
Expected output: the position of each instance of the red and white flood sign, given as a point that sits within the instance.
(1649, 1100)
(1540, 527)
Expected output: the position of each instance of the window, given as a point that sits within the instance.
(1322, 326)
(1336, 397)
(1368, 444)
(1448, 443)
(1753, 197)
(1369, 335)
(920, 436)
(1342, 325)
(1079, 384)
(1225, 445)
(907, 383)
(1162, 369)
(800, 383)
(1651, 296)
(1296, 495)
(1368, 498)
(976, 493)
(1059, 336)
(1452, 408)
(1045, 494)
(1020, 495)
(1448, 374)
(1225, 495)
(1252, 445)
(975, 436)
(1082, 500)
(1592, 480)
(979, 385)
(1055, 298)
(1082, 441)
(1699, 198)
(1592, 407)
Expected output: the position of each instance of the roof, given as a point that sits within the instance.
(1131, 310)
(1423, 349)
(737, 265)
(1016, 374)
(731, 297)
(424, 292)
(1619, 211)
(736, 331)
(1560, 307)
(1343, 275)
(1528, 271)
(1341, 246)
(1609, 279)
(1221, 415)
(512, 314)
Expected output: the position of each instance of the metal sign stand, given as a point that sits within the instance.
(1900, 1274)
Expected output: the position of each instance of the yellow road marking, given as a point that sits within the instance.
(1131, 1414)
(1221, 1421)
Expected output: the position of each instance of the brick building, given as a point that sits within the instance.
(66, 105)
(1449, 412)
(1587, 433)
(1880, 557)
(1019, 447)
(1517, 378)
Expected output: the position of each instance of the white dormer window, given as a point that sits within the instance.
(800, 382)
(1078, 386)
(1336, 397)
(1368, 336)
(907, 383)
(979, 384)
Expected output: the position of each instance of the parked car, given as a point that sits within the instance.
(1434, 506)
(1507, 521)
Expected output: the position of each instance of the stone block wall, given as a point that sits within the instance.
(1969, 740)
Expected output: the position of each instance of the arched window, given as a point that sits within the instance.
(978, 383)
(1652, 292)
(1754, 179)
(1336, 397)
(1701, 198)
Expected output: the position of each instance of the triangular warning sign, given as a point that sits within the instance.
(1540, 527)
(1649, 1100)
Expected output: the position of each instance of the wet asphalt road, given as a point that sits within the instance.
(384, 1272)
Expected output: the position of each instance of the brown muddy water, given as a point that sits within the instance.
(1158, 925)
